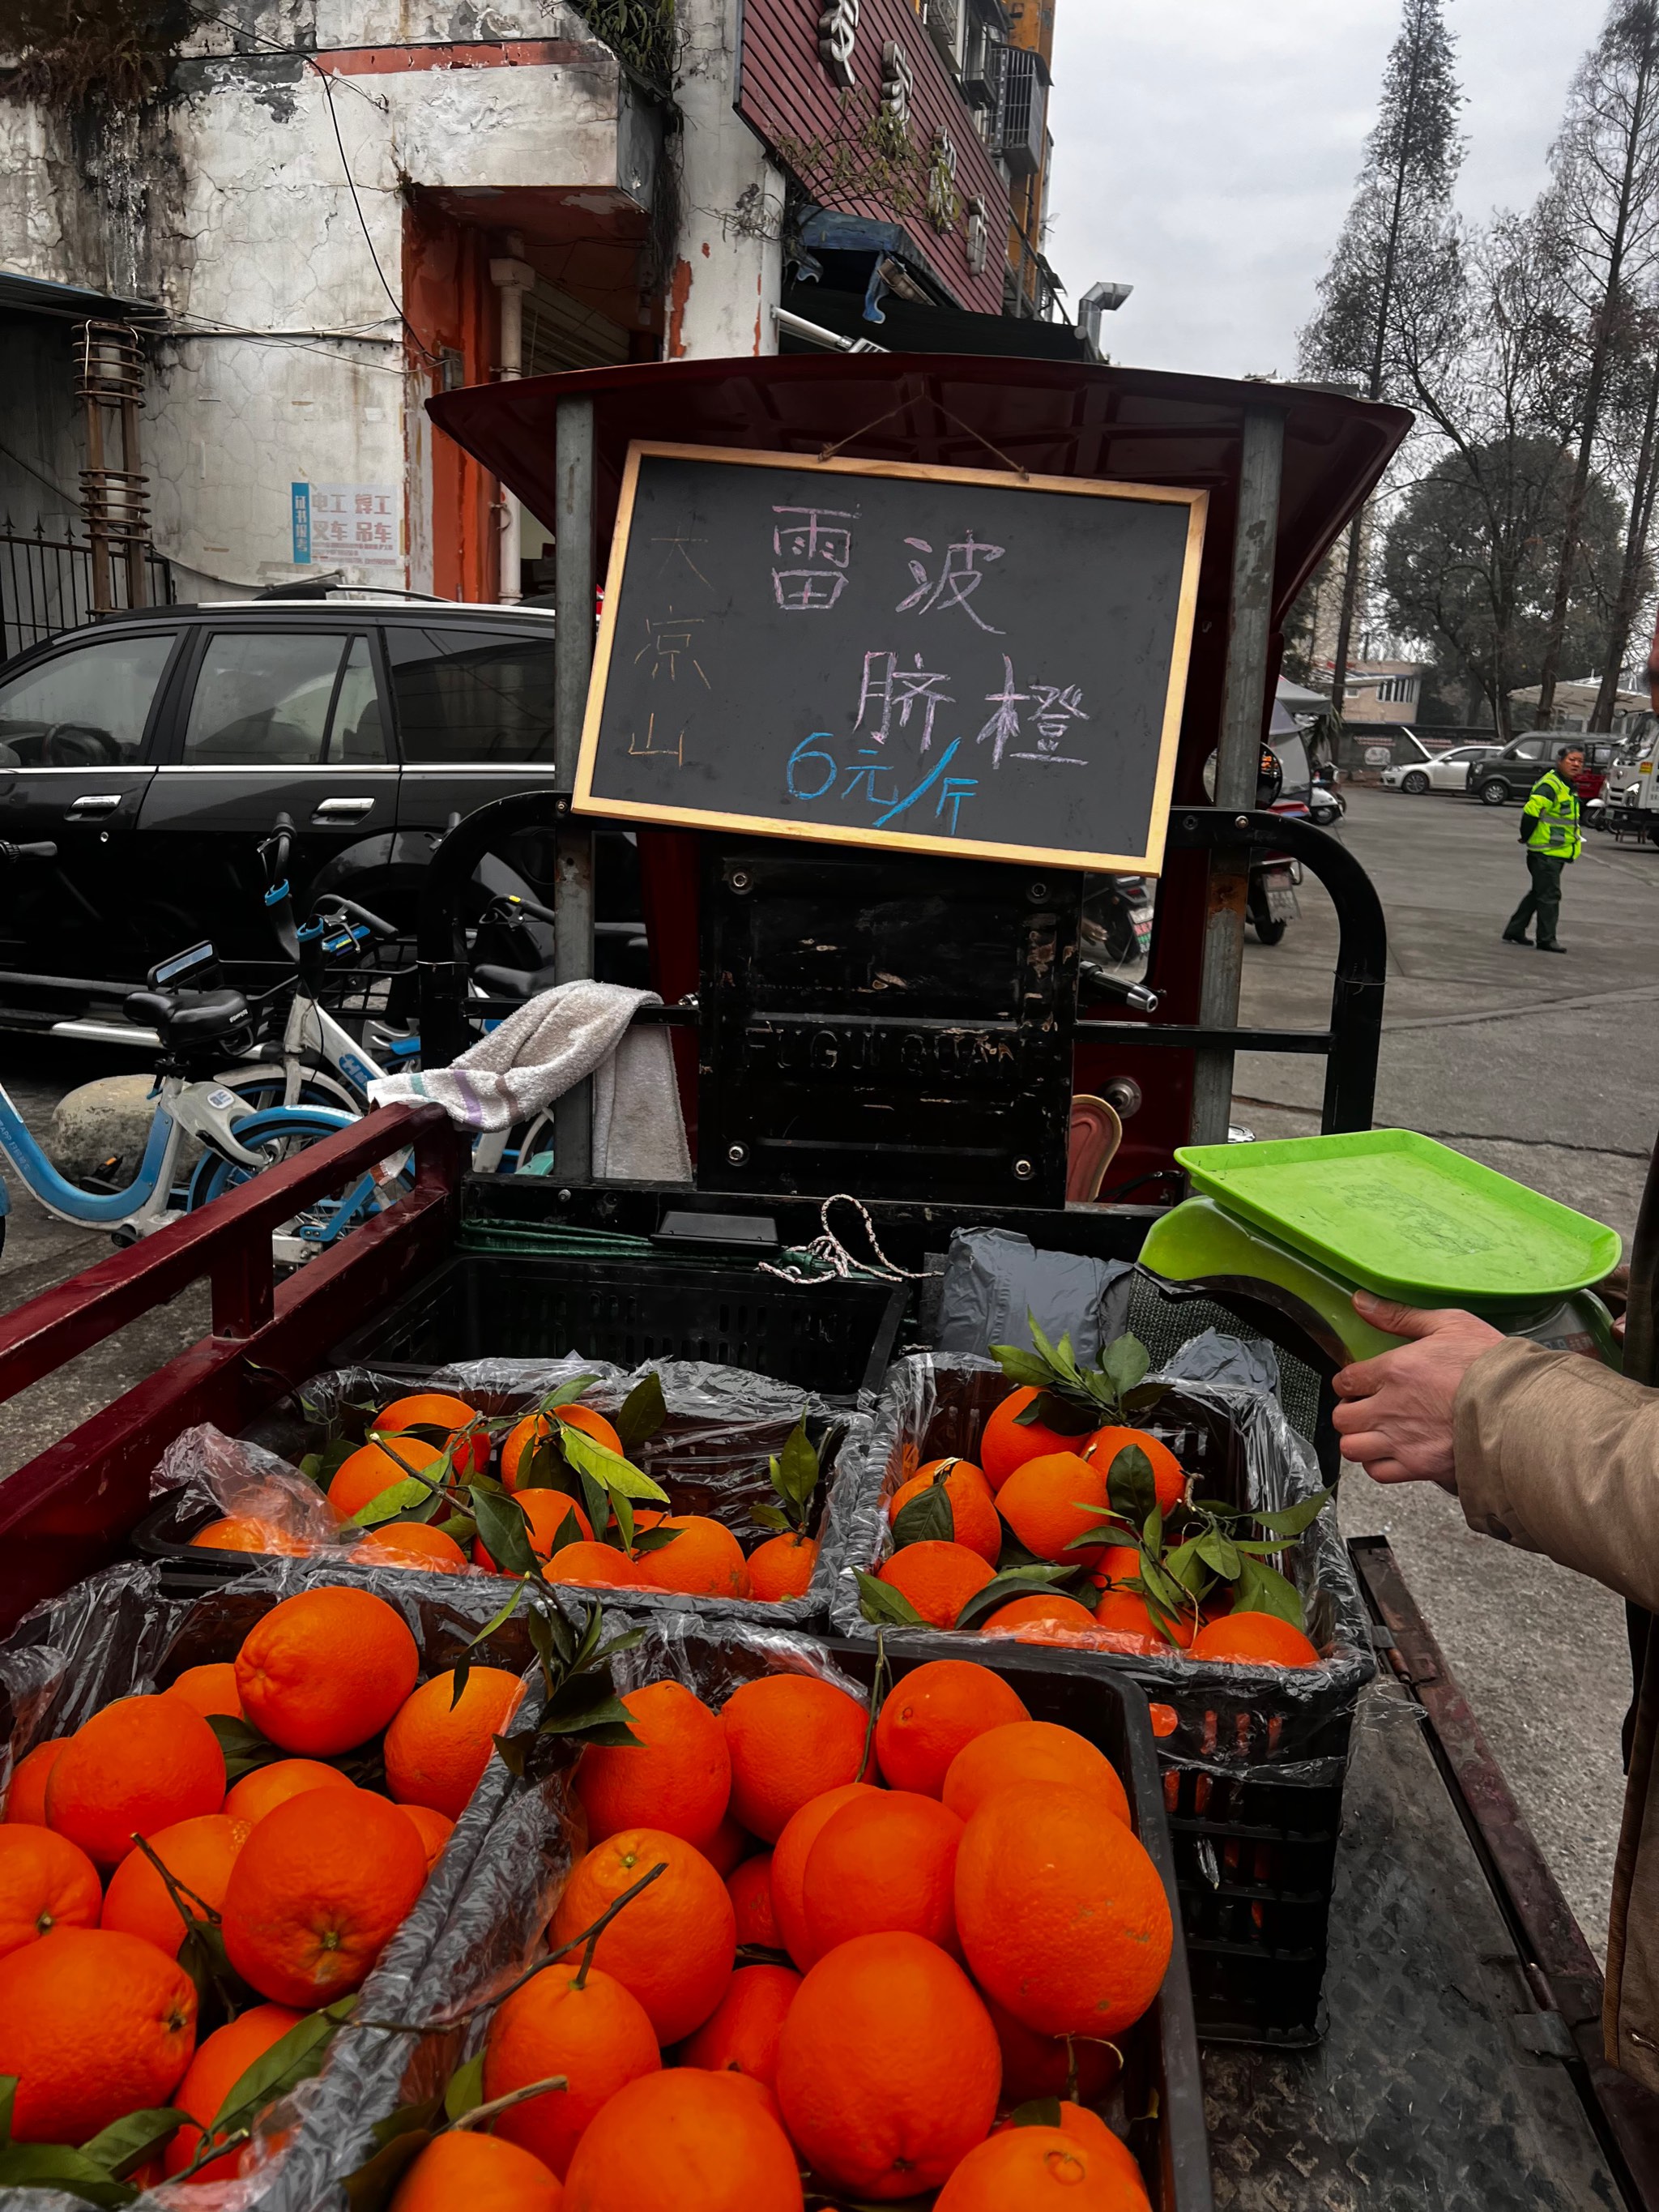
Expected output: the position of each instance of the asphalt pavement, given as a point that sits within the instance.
(1547, 1069)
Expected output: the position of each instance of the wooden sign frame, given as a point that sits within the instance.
(1150, 862)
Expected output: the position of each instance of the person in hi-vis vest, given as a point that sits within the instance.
(1549, 830)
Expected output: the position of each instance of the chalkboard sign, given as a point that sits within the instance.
(943, 660)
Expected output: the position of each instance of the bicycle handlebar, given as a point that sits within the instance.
(332, 903)
(44, 851)
(516, 906)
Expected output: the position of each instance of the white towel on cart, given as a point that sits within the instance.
(544, 1047)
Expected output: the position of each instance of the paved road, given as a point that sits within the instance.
(1548, 1069)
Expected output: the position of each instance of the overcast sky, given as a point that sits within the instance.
(1206, 152)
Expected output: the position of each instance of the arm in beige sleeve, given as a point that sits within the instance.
(1556, 1453)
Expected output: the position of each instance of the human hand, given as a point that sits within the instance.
(1396, 1420)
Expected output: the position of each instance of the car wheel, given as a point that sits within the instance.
(1417, 783)
(1493, 792)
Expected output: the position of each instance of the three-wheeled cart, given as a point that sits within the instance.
(909, 1028)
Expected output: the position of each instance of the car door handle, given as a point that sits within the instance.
(94, 803)
(341, 810)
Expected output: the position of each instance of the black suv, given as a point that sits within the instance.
(157, 749)
(1512, 773)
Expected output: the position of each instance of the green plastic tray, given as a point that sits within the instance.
(1406, 1218)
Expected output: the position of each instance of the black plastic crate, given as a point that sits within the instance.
(1252, 1760)
(834, 1336)
(1158, 2099)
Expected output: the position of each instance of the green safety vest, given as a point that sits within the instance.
(1554, 808)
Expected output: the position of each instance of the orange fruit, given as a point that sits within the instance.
(1128, 1614)
(464, 2166)
(888, 2069)
(437, 1750)
(1027, 2169)
(140, 1765)
(1086, 2127)
(938, 1579)
(595, 2034)
(782, 1567)
(1061, 1913)
(592, 1566)
(410, 1544)
(317, 1891)
(1118, 1563)
(1046, 1618)
(240, 1532)
(704, 1561)
(972, 1501)
(1044, 1503)
(370, 1470)
(95, 2025)
(1004, 1445)
(267, 1787)
(1254, 1639)
(324, 1671)
(882, 1864)
(749, 1888)
(1031, 1751)
(679, 1779)
(213, 2073)
(674, 1945)
(730, 1844)
(26, 1796)
(928, 1716)
(790, 1736)
(518, 1438)
(434, 1829)
(198, 1854)
(789, 1858)
(698, 2142)
(1035, 2066)
(741, 2035)
(1168, 1478)
(445, 1418)
(547, 1513)
(211, 1689)
(45, 1882)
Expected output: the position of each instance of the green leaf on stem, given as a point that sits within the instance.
(57, 2166)
(503, 1531)
(1220, 1552)
(772, 1518)
(609, 1470)
(644, 1410)
(1127, 1363)
(927, 1518)
(880, 1602)
(1012, 1582)
(128, 2141)
(465, 2089)
(1292, 1520)
(243, 1746)
(1263, 1590)
(292, 2058)
(1039, 2113)
(1131, 1487)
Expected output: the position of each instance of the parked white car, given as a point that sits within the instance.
(1448, 771)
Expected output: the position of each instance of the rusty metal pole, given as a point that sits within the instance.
(573, 659)
(1237, 758)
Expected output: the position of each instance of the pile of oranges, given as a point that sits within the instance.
(1039, 1495)
(797, 1942)
(445, 1442)
(143, 1895)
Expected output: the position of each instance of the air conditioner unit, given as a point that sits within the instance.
(1024, 110)
(944, 19)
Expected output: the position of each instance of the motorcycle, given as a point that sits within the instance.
(1326, 805)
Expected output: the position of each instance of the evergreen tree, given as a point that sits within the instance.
(1393, 239)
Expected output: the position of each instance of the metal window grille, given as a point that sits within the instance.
(46, 584)
(944, 28)
(1024, 109)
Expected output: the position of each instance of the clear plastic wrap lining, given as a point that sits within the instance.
(714, 1658)
(484, 1906)
(724, 1425)
(1237, 1436)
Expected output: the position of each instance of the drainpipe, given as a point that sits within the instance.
(513, 278)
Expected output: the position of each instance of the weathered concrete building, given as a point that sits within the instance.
(317, 213)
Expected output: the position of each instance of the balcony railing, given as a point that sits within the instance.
(46, 584)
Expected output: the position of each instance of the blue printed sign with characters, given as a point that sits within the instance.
(949, 660)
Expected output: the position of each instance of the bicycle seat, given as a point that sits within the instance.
(517, 983)
(186, 1017)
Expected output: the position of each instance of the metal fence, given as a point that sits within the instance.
(46, 585)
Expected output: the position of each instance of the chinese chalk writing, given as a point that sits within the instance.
(651, 749)
(821, 539)
(887, 686)
(1056, 706)
(668, 638)
(959, 579)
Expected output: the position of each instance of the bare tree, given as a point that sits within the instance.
(1400, 212)
(1602, 211)
(1632, 443)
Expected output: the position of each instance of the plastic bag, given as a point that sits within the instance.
(996, 1282)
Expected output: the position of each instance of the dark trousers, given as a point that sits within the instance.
(1544, 898)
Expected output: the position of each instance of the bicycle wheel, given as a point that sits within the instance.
(281, 1133)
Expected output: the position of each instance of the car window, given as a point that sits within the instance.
(1529, 749)
(467, 695)
(263, 699)
(85, 707)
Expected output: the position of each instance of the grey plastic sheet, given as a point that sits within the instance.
(1279, 1470)
(997, 1282)
(724, 1425)
(479, 1916)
